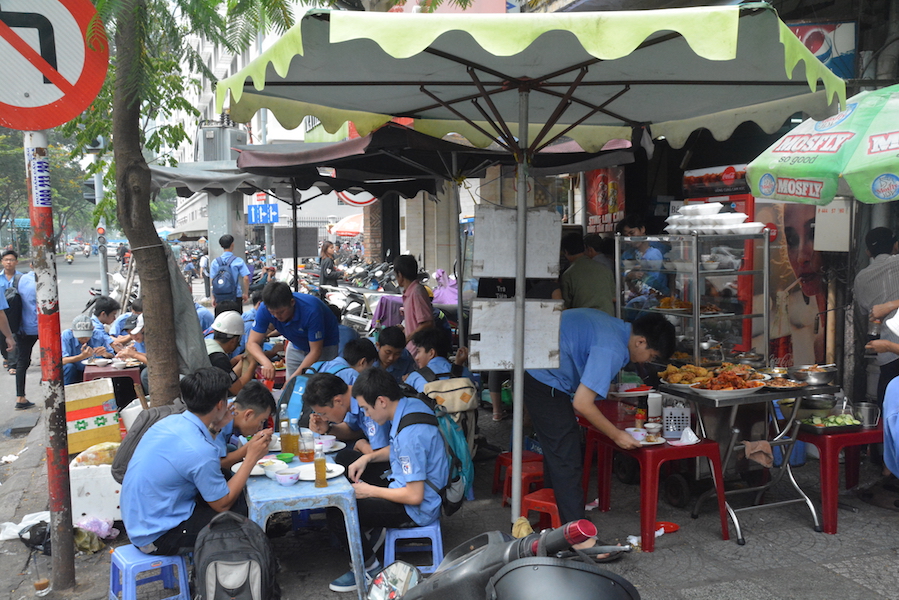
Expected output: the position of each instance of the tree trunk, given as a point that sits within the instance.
(133, 198)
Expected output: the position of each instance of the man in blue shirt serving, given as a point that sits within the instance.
(304, 320)
(167, 497)
(593, 347)
(416, 455)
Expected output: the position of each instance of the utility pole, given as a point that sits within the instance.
(96, 147)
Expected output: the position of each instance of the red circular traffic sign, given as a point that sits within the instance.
(66, 69)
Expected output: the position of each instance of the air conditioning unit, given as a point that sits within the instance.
(216, 142)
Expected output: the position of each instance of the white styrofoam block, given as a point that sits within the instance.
(493, 334)
(494, 245)
(95, 493)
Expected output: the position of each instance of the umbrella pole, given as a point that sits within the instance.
(520, 254)
(459, 317)
(296, 259)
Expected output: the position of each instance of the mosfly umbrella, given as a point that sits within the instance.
(350, 226)
(854, 153)
(524, 80)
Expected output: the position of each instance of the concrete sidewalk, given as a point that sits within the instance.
(783, 556)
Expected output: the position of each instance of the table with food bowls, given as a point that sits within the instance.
(100, 368)
(654, 451)
(266, 495)
(739, 386)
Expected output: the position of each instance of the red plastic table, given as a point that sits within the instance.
(829, 446)
(650, 458)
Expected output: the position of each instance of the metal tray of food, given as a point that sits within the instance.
(805, 427)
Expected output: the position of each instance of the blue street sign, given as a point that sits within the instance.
(260, 214)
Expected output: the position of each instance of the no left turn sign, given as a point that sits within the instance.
(52, 59)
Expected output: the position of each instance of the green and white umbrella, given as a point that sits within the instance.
(853, 153)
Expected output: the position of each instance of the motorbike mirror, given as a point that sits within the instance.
(394, 580)
(378, 273)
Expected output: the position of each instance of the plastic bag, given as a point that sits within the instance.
(101, 527)
(98, 454)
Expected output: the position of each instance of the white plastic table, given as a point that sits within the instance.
(266, 496)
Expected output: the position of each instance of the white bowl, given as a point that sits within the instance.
(287, 476)
(119, 364)
(709, 266)
(272, 466)
(327, 441)
(747, 228)
(102, 362)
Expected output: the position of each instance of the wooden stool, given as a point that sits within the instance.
(829, 446)
(544, 502)
(504, 460)
(531, 475)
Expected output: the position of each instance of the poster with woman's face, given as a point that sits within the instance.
(798, 290)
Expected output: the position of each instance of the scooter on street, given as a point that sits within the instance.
(70, 258)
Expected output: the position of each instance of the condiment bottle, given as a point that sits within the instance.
(321, 467)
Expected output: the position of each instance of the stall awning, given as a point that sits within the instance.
(190, 231)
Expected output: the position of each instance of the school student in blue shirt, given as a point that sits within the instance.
(357, 356)
(105, 311)
(169, 496)
(416, 454)
(240, 273)
(80, 343)
(304, 320)
(431, 347)
(593, 348)
(26, 337)
(250, 411)
(117, 329)
(392, 353)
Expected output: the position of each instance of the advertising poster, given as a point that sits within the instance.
(834, 44)
(715, 181)
(605, 199)
(798, 286)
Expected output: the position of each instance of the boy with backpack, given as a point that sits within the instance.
(392, 353)
(418, 463)
(431, 349)
(229, 274)
(174, 484)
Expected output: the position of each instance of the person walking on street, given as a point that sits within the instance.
(204, 271)
(9, 279)
(26, 337)
(230, 274)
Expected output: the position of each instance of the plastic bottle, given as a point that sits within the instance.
(290, 439)
(321, 467)
(283, 424)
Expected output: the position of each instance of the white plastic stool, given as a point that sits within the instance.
(431, 532)
(128, 562)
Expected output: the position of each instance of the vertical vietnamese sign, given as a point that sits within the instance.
(55, 56)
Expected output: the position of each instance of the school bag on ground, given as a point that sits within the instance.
(234, 560)
(14, 300)
(461, 469)
(457, 396)
(223, 285)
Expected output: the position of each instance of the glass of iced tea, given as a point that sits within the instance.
(307, 447)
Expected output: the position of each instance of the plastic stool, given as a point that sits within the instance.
(531, 475)
(128, 562)
(431, 532)
(544, 502)
(504, 459)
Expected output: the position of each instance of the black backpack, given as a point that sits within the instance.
(223, 285)
(14, 300)
(141, 424)
(234, 560)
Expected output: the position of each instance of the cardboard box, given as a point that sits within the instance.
(95, 493)
(91, 414)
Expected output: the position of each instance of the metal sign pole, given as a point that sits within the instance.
(37, 171)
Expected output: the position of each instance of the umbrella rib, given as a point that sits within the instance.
(501, 122)
(463, 117)
(561, 107)
(594, 109)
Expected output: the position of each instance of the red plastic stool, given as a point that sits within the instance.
(504, 459)
(531, 475)
(544, 502)
(829, 446)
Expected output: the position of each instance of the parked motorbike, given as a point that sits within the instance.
(495, 566)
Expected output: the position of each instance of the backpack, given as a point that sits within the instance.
(456, 396)
(234, 560)
(461, 468)
(141, 424)
(223, 285)
(14, 300)
(295, 408)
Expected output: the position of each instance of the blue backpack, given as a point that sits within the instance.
(295, 403)
(454, 490)
(223, 285)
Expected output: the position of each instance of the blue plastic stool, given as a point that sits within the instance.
(431, 532)
(128, 562)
